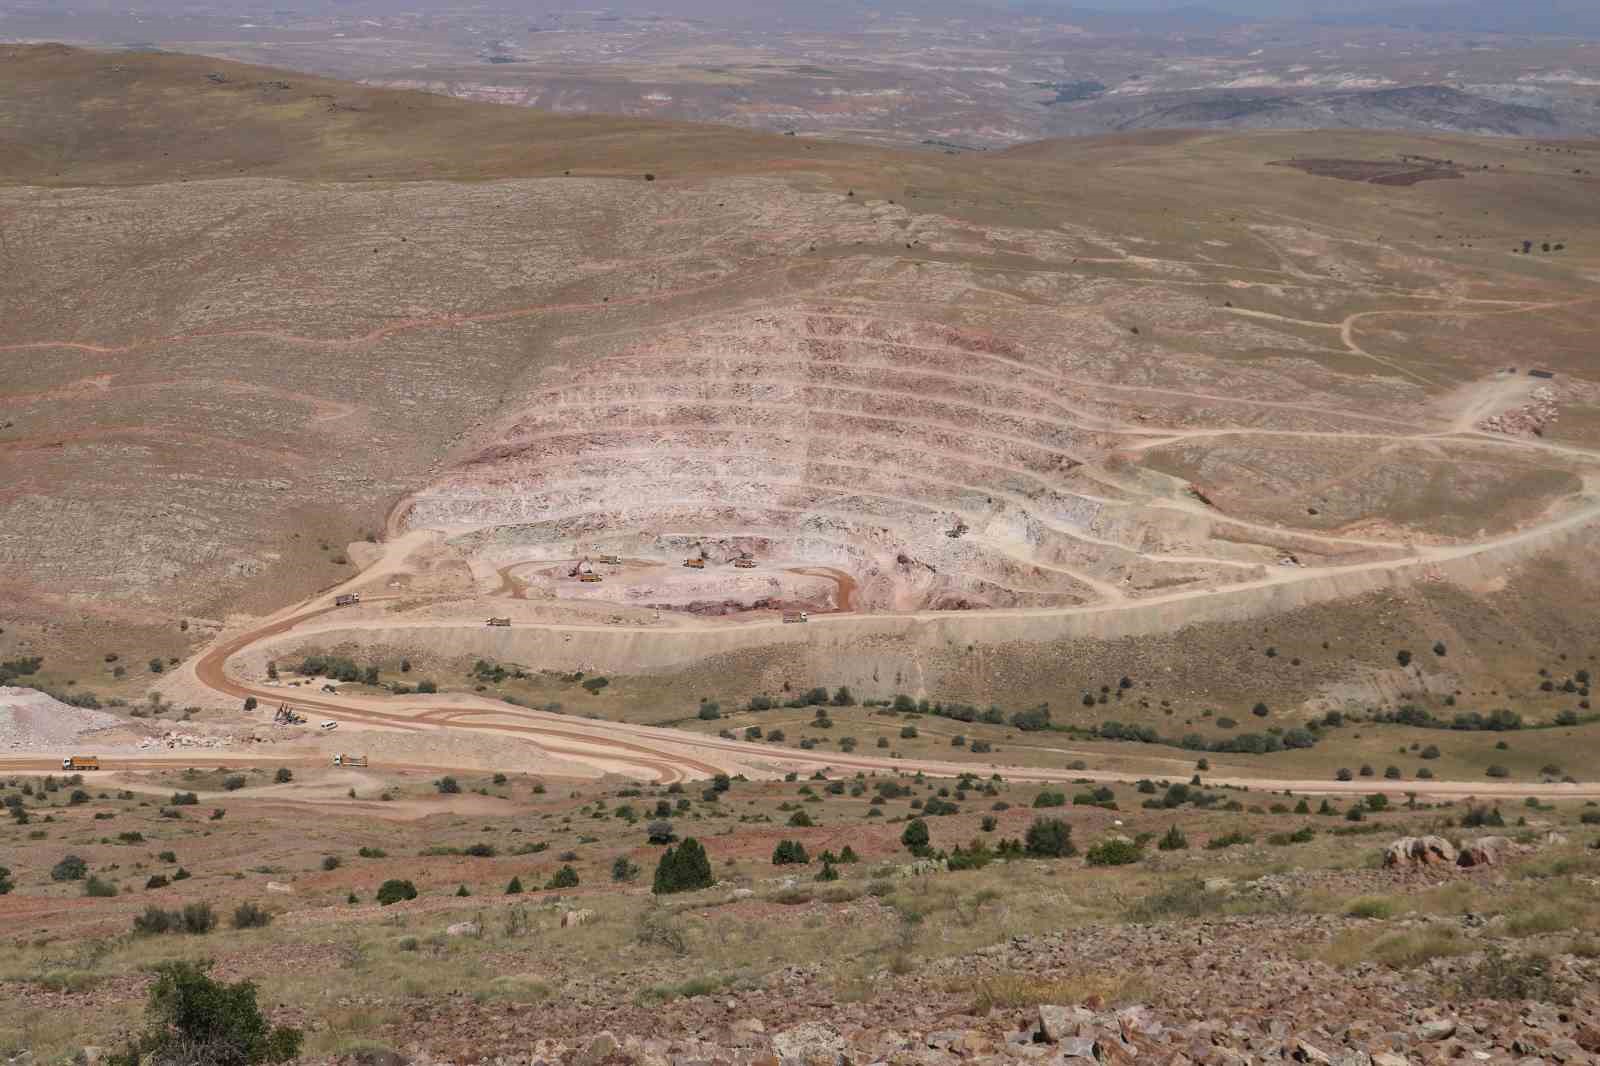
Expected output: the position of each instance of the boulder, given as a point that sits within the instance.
(1419, 851)
(1438, 1029)
(808, 1043)
(1390, 1058)
(1310, 1053)
(1484, 851)
(1057, 1023)
(463, 929)
(278, 886)
(1077, 1049)
(572, 919)
(600, 1048)
(89, 1056)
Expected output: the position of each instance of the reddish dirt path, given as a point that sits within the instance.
(846, 583)
(667, 767)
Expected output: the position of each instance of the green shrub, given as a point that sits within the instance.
(1114, 852)
(1370, 907)
(330, 862)
(233, 782)
(514, 887)
(683, 868)
(1232, 839)
(790, 852)
(154, 920)
(394, 890)
(70, 868)
(1050, 798)
(915, 836)
(283, 776)
(623, 871)
(198, 918)
(1186, 898)
(566, 877)
(447, 786)
(1050, 838)
(250, 916)
(1173, 839)
(194, 1019)
(96, 887)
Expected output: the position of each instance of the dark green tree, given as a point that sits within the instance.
(684, 868)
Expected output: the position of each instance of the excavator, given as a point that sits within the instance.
(580, 572)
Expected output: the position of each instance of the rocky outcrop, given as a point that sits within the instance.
(1419, 851)
(1484, 851)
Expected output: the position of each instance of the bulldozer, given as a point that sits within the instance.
(695, 563)
(744, 562)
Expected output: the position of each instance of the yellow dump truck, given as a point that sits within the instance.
(81, 762)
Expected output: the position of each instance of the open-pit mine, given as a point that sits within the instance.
(750, 414)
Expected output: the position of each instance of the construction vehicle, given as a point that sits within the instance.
(81, 762)
(795, 616)
(330, 724)
(695, 564)
(286, 715)
(957, 530)
(347, 599)
(744, 562)
(350, 760)
(611, 560)
(498, 622)
(589, 578)
(580, 568)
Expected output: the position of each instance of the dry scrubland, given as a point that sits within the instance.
(1226, 448)
(1265, 905)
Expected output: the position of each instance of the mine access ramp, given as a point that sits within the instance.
(349, 760)
(796, 616)
(347, 599)
(81, 762)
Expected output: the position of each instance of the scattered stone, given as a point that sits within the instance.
(803, 1045)
(573, 919)
(463, 929)
(279, 886)
(1438, 1029)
